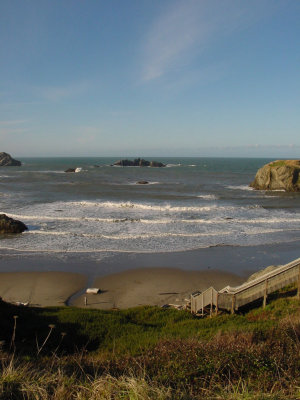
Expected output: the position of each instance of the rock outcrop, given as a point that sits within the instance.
(156, 164)
(138, 162)
(10, 225)
(262, 272)
(278, 175)
(7, 161)
(70, 170)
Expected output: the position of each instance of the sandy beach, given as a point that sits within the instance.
(129, 280)
(149, 286)
(40, 288)
(153, 286)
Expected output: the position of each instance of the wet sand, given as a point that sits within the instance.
(239, 260)
(131, 279)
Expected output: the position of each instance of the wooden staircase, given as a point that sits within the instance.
(232, 298)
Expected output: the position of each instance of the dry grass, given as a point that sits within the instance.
(255, 356)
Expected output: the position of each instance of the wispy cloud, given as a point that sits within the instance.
(9, 127)
(56, 93)
(186, 28)
(13, 122)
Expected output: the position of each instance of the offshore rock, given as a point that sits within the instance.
(70, 170)
(138, 162)
(156, 164)
(278, 175)
(142, 183)
(10, 225)
(7, 161)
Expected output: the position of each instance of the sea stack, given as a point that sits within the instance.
(138, 162)
(10, 225)
(278, 175)
(7, 161)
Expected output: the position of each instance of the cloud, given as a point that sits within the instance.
(9, 127)
(13, 122)
(56, 93)
(9, 131)
(187, 28)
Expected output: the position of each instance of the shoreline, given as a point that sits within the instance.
(240, 260)
(128, 280)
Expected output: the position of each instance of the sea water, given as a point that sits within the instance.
(191, 203)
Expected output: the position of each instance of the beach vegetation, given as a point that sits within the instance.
(150, 353)
(279, 163)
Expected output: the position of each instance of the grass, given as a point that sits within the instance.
(150, 353)
(279, 163)
(125, 331)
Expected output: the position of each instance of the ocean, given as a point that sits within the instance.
(192, 203)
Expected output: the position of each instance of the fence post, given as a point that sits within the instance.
(202, 305)
(233, 304)
(298, 292)
(211, 302)
(265, 293)
(217, 304)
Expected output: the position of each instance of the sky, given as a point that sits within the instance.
(150, 78)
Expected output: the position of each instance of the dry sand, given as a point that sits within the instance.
(40, 288)
(153, 286)
(147, 286)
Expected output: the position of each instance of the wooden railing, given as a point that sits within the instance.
(232, 298)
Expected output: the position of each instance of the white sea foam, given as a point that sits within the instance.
(55, 218)
(240, 187)
(127, 237)
(40, 171)
(144, 206)
(173, 165)
(207, 196)
(164, 221)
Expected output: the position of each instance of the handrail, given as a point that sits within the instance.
(260, 279)
(236, 291)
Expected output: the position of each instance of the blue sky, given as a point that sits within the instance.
(145, 77)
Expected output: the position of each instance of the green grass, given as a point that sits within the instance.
(150, 353)
(279, 163)
(126, 331)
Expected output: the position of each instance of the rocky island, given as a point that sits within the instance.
(278, 175)
(10, 225)
(7, 161)
(138, 162)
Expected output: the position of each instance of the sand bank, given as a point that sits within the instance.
(40, 288)
(153, 286)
